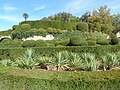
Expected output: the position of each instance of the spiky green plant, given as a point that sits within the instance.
(6, 62)
(75, 60)
(27, 60)
(59, 60)
(44, 60)
(109, 61)
(90, 62)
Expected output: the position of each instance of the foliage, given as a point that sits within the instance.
(82, 26)
(6, 62)
(103, 42)
(59, 60)
(89, 61)
(27, 60)
(75, 61)
(25, 16)
(100, 20)
(109, 60)
(40, 43)
(25, 27)
(77, 41)
(116, 22)
(91, 42)
(5, 33)
(114, 39)
(85, 16)
(62, 16)
(51, 30)
(45, 24)
(28, 43)
(14, 79)
(62, 42)
(29, 33)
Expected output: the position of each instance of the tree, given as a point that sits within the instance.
(25, 16)
(85, 16)
(100, 20)
(116, 22)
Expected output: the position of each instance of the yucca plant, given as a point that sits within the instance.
(44, 60)
(27, 60)
(59, 60)
(109, 61)
(6, 62)
(90, 62)
(75, 60)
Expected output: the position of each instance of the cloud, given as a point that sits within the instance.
(77, 6)
(9, 18)
(39, 8)
(9, 8)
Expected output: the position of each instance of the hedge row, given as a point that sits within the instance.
(14, 53)
(22, 79)
(54, 24)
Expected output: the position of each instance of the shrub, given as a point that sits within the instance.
(114, 39)
(51, 23)
(62, 42)
(9, 43)
(103, 42)
(27, 60)
(110, 60)
(25, 27)
(6, 62)
(40, 43)
(28, 43)
(89, 61)
(15, 27)
(23, 79)
(77, 41)
(51, 30)
(90, 42)
(82, 26)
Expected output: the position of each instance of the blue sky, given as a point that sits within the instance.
(11, 11)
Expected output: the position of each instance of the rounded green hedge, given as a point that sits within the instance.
(77, 41)
(23, 79)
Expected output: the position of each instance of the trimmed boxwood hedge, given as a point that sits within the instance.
(14, 53)
(23, 79)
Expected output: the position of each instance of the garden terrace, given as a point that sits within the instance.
(23, 79)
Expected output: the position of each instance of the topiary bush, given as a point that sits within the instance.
(77, 41)
(62, 42)
(40, 43)
(91, 42)
(51, 30)
(25, 26)
(82, 26)
(103, 42)
(28, 43)
(23, 79)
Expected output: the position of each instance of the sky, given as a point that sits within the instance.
(11, 11)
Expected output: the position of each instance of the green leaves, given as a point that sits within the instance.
(90, 62)
(110, 60)
(27, 60)
(6, 62)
